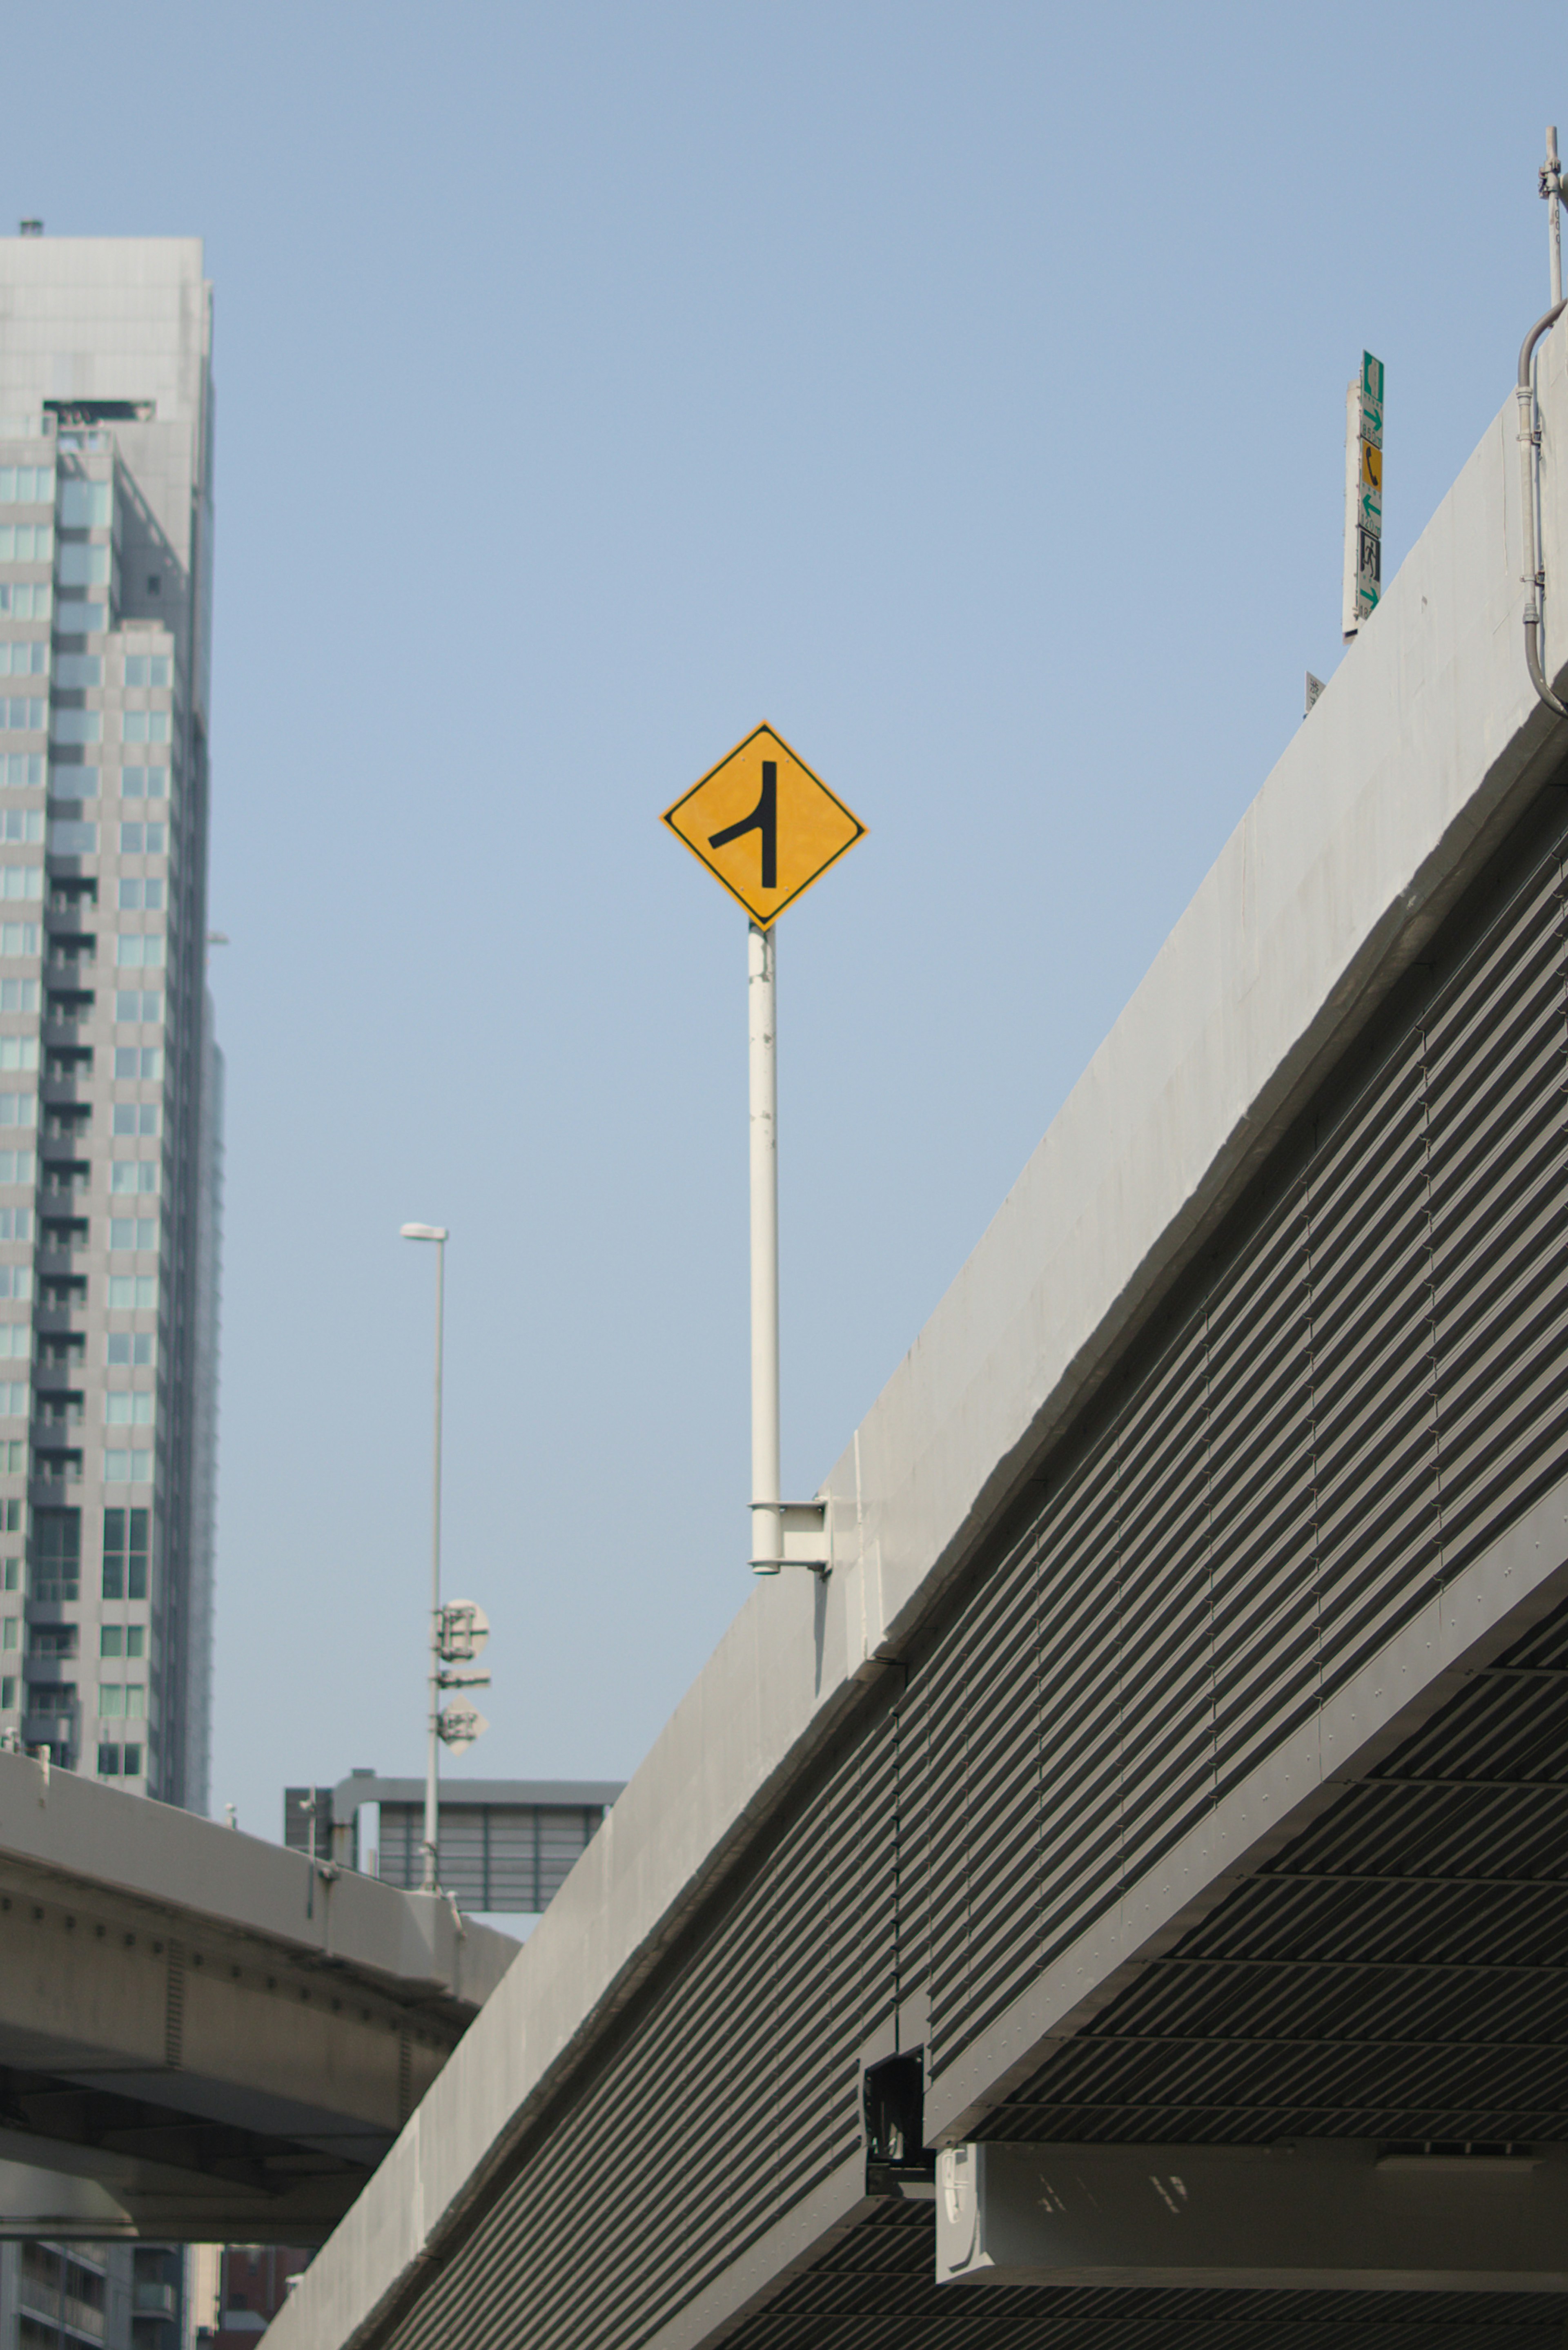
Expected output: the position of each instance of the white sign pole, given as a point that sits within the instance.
(431, 1878)
(767, 1516)
(1552, 189)
(1350, 617)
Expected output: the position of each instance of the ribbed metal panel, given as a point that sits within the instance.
(1400, 1971)
(719, 2106)
(492, 1857)
(873, 2291)
(1365, 1383)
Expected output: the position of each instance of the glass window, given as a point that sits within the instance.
(142, 839)
(124, 1540)
(21, 770)
(133, 1762)
(16, 1340)
(8, 1632)
(138, 1004)
(132, 1349)
(135, 1694)
(126, 1410)
(136, 1118)
(108, 1762)
(25, 600)
(84, 505)
(31, 659)
(72, 783)
(111, 1640)
(111, 1702)
(14, 1398)
(19, 1109)
(16, 1281)
(56, 1553)
(22, 824)
(146, 669)
(133, 1175)
(134, 1468)
(133, 1231)
(18, 937)
(81, 566)
(22, 713)
(21, 880)
(135, 895)
(144, 726)
(143, 1061)
(144, 783)
(27, 485)
(132, 1293)
(28, 542)
(76, 619)
(77, 726)
(131, 951)
(18, 1052)
(79, 670)
(68, 837)
(18, 995)
(16, 1223)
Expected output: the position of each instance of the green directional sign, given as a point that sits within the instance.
(1364, 495)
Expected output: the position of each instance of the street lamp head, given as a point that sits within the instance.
(423, 1232)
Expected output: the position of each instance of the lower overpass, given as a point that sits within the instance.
(206, 2038)
(1122, 1905)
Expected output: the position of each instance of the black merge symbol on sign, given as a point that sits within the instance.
(764, 819)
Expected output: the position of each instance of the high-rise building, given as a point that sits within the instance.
(111, 1080)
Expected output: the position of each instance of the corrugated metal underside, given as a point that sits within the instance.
(1399, 1972)
(874, 2291)
(1359, 1390)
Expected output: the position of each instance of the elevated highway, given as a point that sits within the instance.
(203, 2037)
(1168, 1785)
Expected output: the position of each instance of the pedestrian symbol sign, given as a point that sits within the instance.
(763, 824)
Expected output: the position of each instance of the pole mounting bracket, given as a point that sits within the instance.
(804, 1539)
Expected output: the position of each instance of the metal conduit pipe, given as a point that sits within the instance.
(1528, 442)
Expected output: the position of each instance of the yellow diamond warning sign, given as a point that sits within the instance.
(763, 824)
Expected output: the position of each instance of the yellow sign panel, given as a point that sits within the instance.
(763, 824)
(1371, 466)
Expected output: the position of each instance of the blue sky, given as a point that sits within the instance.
(960, 389)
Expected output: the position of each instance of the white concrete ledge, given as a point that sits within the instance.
(1414, 762)
(84, 1832)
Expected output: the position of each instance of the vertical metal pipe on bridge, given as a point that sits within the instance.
(767, 1517)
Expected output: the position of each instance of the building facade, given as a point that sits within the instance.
(111, 1082)
(110, 1079)
(239, 2289)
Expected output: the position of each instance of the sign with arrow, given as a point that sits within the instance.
(764, 825)
(1363, 495)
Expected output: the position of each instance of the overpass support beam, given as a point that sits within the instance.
(1326, 2213)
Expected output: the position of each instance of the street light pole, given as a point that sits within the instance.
(431, 1884)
